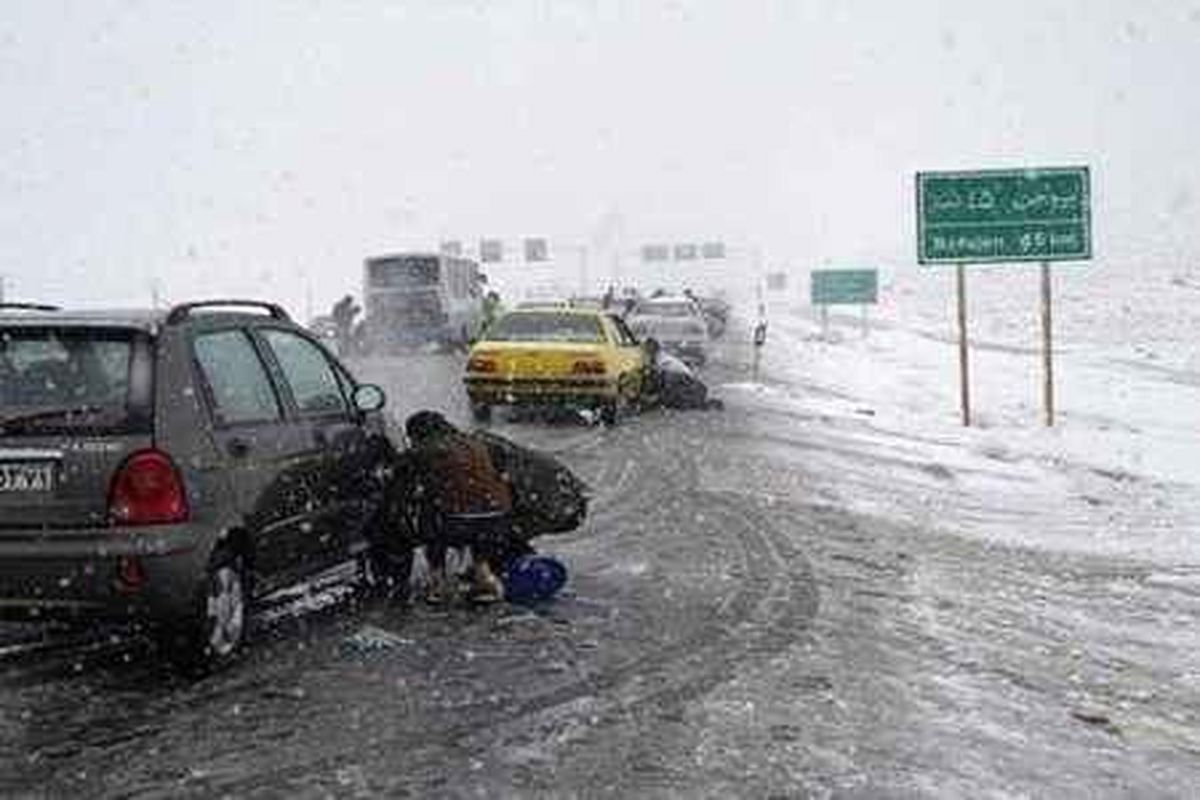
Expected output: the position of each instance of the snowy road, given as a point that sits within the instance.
(732, 629)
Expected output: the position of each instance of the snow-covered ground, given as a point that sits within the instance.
(1118, 474)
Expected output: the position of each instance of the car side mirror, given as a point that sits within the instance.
(369, 397)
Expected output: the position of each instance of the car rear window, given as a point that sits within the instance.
(546, 327)
(69, 379)
(668, 309)
(670, 328)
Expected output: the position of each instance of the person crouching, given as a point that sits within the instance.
(465, 503)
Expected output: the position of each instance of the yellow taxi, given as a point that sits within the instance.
(567, 356)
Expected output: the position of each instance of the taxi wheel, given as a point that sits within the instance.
(609, 412)
(633, 390)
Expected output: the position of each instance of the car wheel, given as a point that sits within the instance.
(215, 634)
(481, 412)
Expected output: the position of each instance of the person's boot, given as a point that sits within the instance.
(437, 589)
(488, 587)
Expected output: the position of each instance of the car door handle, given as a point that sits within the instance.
(238, 447)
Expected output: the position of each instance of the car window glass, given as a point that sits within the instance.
(237, 380)
(314, 385)
(538, 326)
(51, 368)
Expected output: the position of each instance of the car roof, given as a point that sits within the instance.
(143, 318)
(569, 311)
(667, 298)
(32, 315)
(542, 305)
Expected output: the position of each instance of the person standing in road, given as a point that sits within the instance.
(464, 500)
(492, 308)
(344, 312)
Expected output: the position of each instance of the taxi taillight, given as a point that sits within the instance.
(479, 364)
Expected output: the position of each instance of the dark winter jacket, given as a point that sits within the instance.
(455, 475)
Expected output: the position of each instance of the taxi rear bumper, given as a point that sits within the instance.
(495, 390)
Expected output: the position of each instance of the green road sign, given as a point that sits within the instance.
(832, 287)
(1004, 215)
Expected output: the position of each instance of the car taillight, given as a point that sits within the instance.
(588, 367)
(147, 490)
(481, 365)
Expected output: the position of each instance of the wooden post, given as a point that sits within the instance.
(1047, 348)
(964, 373)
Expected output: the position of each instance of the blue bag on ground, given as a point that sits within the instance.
(531, 578)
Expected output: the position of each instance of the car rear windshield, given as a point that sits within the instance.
(68, 379)
(410, 272)
(546, 327)
(670, 328)
(668, 309)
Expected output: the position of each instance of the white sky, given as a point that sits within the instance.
(250, 148)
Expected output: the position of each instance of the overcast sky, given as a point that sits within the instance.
(253, 147)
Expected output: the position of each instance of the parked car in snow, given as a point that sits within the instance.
(171, 466)
(556, 356)
(683, 337)
(681, 306)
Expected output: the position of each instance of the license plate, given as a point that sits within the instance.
(19, 477)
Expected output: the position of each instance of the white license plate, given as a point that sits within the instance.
(21, 477)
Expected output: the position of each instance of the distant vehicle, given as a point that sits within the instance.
(594, 303)
(685, 337)
(421, 298)
(668, 306)
(528, 304)
(572, 357)
(171, 466)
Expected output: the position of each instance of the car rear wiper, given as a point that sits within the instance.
(51, 414)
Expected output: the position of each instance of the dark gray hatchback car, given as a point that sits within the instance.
(170, 466)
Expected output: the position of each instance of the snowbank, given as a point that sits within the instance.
(1118, 474)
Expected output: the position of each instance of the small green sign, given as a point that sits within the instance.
(1004, 215)
(832, 287)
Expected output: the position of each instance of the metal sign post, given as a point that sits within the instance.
(760, 338)
(964, 370)
(1047, 348)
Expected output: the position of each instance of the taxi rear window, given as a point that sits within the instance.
(546, 327)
